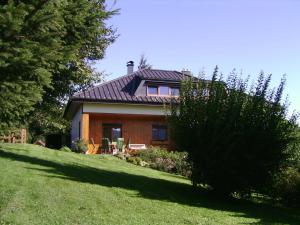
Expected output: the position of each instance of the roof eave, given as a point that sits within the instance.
(85, 100)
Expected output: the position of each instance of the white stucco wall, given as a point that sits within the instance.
(158, 110)
(75, 125)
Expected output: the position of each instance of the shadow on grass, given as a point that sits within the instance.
(159, 189)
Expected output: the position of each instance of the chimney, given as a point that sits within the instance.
(186, 72)
(130, 66)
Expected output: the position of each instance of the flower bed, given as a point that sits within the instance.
(160, 159)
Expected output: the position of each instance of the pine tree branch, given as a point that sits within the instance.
(36, 9)
(28, 17)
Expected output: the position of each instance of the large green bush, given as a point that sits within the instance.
(237, 138)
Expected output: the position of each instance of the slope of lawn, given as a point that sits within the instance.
(44, 186)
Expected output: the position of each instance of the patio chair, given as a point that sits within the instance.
(93, 143)
(120, 144)
(105, 145)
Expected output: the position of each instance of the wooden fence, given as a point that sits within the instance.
(15, 137)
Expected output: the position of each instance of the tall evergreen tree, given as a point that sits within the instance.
(47, 48)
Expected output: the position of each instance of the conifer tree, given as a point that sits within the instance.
(46, 51)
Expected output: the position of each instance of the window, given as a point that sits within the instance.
(152, 90)
(175, 91)
(112, 131)
(159, 133)
(163, 90)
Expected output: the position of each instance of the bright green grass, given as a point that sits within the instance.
(43, 186)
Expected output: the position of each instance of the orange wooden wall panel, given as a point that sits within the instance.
(136, 128)
(85, 127)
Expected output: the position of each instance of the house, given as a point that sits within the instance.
(131, 107)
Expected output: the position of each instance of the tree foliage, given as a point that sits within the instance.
(47, 48)
(143, 63)
(237, 137)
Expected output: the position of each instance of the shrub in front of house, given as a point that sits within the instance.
(167, 161)
(80, 146)
(133, 152)
(122, 155)
(134, 160)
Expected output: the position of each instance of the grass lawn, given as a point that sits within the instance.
(44, 186)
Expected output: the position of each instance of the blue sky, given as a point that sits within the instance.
(249, 35)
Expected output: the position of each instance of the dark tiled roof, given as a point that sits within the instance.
(122, 89)
(164, 75)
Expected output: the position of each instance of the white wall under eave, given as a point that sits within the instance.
(157, 110)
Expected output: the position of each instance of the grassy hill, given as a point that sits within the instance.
(44, 186)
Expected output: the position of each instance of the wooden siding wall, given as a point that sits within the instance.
(85, 126)
(136, 128)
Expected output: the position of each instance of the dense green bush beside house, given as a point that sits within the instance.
(237, 138)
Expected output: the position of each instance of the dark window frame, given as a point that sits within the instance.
(156, 137)
(152, 86)
(172, 88)
(163, 86)
(111, 126)
(159, 92)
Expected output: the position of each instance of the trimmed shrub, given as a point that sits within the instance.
(80, 146)
(134, 160)
(163, 160)
(133, 152)
(121, 155)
